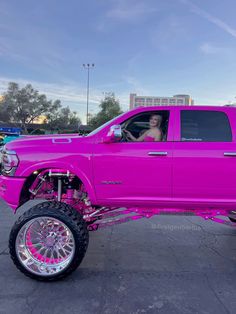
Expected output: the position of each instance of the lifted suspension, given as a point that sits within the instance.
(60, 184)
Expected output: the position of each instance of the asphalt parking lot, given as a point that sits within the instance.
(167, 264)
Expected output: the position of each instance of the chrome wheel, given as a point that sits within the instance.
(45, 246)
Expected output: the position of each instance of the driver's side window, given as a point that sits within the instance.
(146, 127)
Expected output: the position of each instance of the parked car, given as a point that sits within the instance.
(8, 134)
(86, 181)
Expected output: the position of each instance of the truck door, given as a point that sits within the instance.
(137, 173)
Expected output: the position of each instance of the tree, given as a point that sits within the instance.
(63, 119)
(24, 105)
(110, 108)
(4, 113)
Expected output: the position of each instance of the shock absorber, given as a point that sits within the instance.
(59, 174)
(59, 189)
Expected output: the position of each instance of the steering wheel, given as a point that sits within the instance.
(125, 138)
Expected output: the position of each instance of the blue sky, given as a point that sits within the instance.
(151, 47)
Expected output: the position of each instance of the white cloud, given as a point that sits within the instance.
(136, 86)
(66, 93)
(130, 10)
(212, 19)
(211, 49)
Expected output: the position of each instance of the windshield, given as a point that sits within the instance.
(105, 124)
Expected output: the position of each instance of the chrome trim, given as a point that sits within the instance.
(230, 154)
(9, 152)
(157, 154)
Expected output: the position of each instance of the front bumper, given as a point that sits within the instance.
(10, 190)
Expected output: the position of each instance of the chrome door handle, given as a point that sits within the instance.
(230, 154)
(157, 154)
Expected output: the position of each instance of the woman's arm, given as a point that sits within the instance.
(139, 139)
(129, 135)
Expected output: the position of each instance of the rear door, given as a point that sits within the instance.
(204, 163)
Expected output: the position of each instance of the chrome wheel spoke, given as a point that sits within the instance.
(45, 246)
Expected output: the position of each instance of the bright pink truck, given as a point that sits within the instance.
(182, 160)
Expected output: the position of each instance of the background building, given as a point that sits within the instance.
(137, 101)
(40, 120)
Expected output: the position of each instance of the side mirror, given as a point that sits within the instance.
(114, 135)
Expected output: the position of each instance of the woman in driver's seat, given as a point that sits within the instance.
(154, 133)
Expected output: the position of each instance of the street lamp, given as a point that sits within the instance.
(87, 67)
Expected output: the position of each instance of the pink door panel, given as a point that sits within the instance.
(134, 173)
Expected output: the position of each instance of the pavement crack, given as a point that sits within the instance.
(216, 295)
(4, 252)
(175, 256)
(200, 226)
(218, 253)
(208, 232)
(102, 301)
(28, 297)
(31, 308)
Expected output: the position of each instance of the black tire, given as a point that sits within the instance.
(70, 218)
(232, 219)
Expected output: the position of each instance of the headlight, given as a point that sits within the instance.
(9, 162)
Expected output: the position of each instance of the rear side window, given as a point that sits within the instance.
(205, 126)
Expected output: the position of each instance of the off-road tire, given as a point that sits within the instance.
(66, 214)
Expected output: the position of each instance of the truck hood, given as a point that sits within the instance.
(42, 141)
(49, 136)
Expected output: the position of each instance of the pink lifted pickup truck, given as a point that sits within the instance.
(130, 168)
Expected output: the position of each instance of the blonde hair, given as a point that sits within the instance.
(159, 119)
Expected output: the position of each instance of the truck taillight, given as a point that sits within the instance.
(9, 162)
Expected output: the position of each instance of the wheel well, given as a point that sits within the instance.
(25, 192)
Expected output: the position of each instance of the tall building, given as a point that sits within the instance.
(137, 101)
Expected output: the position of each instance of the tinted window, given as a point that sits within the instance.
(205, 126)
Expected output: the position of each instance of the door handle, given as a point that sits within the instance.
(157, 154)
(230, 154)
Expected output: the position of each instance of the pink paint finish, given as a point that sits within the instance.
(10, 190)
(140, 213)
(165, 175)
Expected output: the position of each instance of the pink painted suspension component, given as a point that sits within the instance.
(148, 213)
(49, 184)
(44, 187)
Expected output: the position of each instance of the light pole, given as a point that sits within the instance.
(87, 67)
